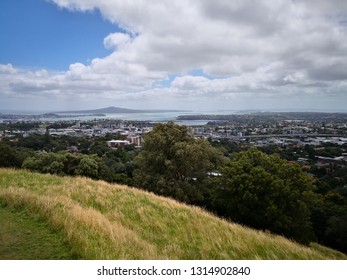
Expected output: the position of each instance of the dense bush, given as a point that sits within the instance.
(267, 193)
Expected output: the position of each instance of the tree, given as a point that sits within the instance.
(87, 167)
(9, 157)
(98, 149)
(336, 232)
(329, 218)
(267, 193)
(173, 163)
(53, 163)
(56, 167)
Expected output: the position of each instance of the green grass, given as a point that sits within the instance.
(27, 238)
(104, 221)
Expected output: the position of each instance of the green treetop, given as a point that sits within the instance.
(173, 163)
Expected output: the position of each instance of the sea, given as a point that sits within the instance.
(155, 117)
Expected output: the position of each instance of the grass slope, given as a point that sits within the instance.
(104, 221)
(28, 238)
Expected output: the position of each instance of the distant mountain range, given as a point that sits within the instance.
(115, 110)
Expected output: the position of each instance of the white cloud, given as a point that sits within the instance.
(283, 47)
(7, 69)
(116, 40)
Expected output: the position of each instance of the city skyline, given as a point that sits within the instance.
(196, 55)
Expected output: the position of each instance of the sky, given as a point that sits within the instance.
(202, 55)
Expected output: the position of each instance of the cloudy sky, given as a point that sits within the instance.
(165, 54)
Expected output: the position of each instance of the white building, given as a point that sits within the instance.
(117, 143)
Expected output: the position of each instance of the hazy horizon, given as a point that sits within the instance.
(221, 111)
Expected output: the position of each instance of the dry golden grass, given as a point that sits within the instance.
(104, 221)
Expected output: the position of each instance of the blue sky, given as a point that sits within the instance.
(197, 54)
(36, 33)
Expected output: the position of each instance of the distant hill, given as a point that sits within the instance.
(104, 221)
(114, 110)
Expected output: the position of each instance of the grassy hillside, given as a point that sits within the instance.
(104, 221)
(23, 237)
